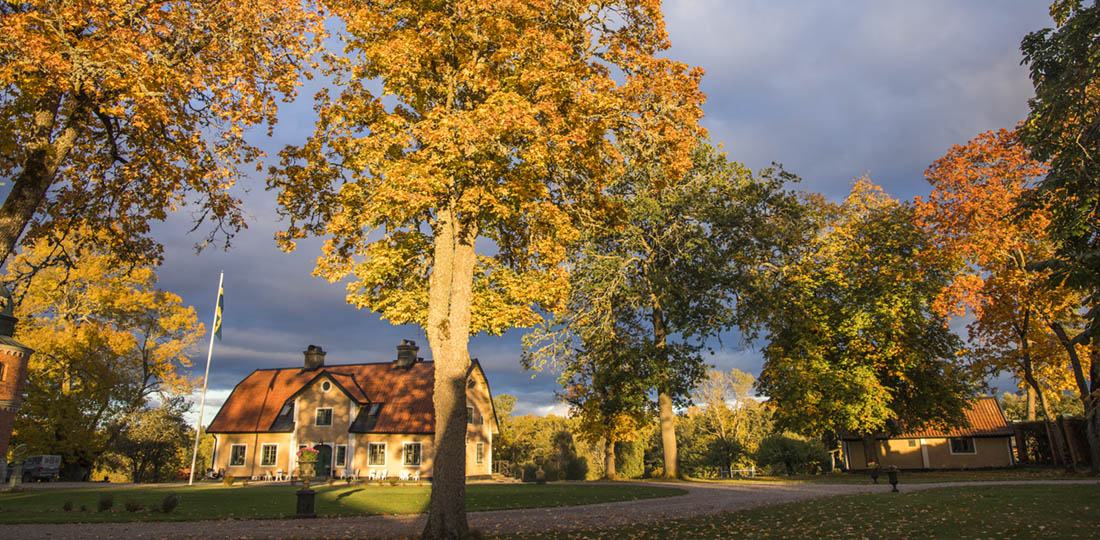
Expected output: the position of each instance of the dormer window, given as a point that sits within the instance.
(374, 408)
(288, 409)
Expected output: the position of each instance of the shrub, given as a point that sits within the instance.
(393, 480)
(83, 508)
(788, 455)
(68, 506)
(529, 472)
(347, 480)
(331, 480)
(227, 480)
(576, 468)
(169, 503)
(106, 501)
(629, 459)
(134, 506)
(244, 481)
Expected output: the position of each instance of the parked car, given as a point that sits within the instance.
(41, 468)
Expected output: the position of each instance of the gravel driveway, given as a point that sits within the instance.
(701, 499)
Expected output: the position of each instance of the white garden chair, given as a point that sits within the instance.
(404, 476)
(416, 476)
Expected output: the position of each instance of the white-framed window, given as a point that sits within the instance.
(341, 456)
(323, 417)
(963, 445)
(326, 386)
(268, 453)
(480, 453)
(376, 454)
(411, 454)
(236, 455)
(469, 415)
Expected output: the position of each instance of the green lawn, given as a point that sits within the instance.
(1024, 512)
(918, 477)
(210, 501)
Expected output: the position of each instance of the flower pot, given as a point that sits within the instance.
(893, 476)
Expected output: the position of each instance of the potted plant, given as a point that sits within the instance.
(892, 474)
(307, 463)
(874, 470)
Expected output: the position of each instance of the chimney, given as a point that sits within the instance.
(406, 353)
(315, 358)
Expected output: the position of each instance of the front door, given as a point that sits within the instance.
(324, 460)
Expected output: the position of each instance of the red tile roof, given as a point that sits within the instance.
(983, 419)
(405, 393)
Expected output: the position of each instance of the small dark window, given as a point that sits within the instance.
(480, 453)
(325, 386)
(963, 445)
(376, 454)
(412, 454)
(267, 457)
(341, 455)
(324, 417)
(2, 366)
(912, 443)
(236, 455)
(374, 408)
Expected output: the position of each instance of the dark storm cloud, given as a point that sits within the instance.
(831, 89)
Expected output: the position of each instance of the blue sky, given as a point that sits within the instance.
(831, 89)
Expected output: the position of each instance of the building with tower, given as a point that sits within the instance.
(14, 357)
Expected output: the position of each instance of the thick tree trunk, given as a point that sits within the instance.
(1030, 404)
(450, 291)
(1088, 391)
(1055, 430)
(45, 153)
(609, 460)
(664, 400)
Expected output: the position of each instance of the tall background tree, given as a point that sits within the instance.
(114, 113)
(1023, 321)
(495, 120)
(1063, 128)
(856, 346)
(683, 259)
(106, 341)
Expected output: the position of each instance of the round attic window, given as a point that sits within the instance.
(325, 386)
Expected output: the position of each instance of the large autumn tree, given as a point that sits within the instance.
(106, 340)
(856, 346)
(455, 121)
(684, 259)
(1024, 322)
(1063, 128)
(114, 113)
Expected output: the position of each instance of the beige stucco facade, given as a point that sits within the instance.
(933, 453)
(307, 431)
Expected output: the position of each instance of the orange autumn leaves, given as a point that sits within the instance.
(973, 213)
(504, 114)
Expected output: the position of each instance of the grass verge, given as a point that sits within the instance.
(1023, 512)
(210, 501)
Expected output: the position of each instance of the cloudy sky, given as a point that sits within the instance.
(830, 89)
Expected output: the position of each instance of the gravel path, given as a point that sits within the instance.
(701, 499)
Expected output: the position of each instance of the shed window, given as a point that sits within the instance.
(963, 445)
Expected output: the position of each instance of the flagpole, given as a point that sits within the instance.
(202, 401)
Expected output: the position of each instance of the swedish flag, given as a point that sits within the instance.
(218, 313)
